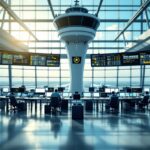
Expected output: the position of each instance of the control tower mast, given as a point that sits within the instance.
(77, 28)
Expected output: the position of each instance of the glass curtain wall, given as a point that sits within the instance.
(37, 16)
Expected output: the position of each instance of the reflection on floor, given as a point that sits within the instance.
(27, 131)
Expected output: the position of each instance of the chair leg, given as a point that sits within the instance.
(12, 108)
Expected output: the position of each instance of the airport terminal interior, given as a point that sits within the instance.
(74, 74)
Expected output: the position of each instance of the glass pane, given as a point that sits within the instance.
(41, 82)
(87, 83)
(17, 72)
(4, 82)
(3, 72)
(17, 82)
(29, 83)
(124, 82)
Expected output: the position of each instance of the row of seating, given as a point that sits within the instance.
(54, 105)
(113, 104)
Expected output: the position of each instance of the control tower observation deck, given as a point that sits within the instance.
(76, 28)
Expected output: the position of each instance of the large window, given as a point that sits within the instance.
(36, 14)
(4, 76)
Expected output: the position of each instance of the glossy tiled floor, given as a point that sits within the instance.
(30, 131)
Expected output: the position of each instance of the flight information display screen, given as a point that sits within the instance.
(7, 59)
(119, 59)
(37, 60)
(113, 59)
(145, 58)
(20, 59)
(53, 60)
(130, 59)
(98, 60)
(25, 58)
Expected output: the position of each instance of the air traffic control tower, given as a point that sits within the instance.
(76, 28)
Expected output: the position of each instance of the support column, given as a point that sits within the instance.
(76, 68)
(10, 76)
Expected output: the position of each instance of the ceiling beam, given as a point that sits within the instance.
(16, 18)
(99, 6)
(137, 14)
(9, 43)
(101, 20)
(51, 7)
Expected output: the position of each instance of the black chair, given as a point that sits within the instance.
(55, 103)
(129, 105)
(13, 103)
(114, 103)
(144, 102)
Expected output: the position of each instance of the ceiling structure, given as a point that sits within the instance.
(119, 27)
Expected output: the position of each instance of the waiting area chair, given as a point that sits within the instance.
(113, 105)
(2, 104)
(13, 103)
(143, 103)
(129, 105)
(55, 104)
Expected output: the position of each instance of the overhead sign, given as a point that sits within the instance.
(145, 58)
(32, 59)
(120, 59)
